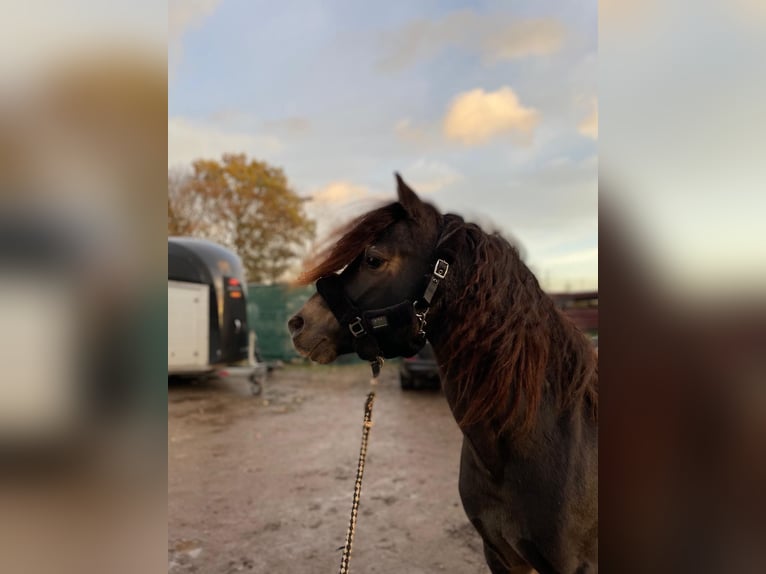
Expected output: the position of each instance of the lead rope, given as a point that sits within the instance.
(376, 364)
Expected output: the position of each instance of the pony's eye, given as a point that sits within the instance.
(373, 262)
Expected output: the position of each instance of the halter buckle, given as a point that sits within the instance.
(421, 317)
(441, 268)
(356, 327)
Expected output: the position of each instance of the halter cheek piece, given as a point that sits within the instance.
(395, 331)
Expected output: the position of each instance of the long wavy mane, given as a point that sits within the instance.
(506, 344)
(510, 340)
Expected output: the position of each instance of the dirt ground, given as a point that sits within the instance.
(264, 484)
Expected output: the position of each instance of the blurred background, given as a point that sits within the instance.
(83, 112)
(682, 267)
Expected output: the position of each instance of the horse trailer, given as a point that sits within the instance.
(207, 312)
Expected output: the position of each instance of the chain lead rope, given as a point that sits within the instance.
(360, 469)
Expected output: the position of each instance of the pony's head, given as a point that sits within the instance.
(384, 258)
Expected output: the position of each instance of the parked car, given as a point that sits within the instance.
(420, 370)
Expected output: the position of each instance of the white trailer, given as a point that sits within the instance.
(188, 328)
(208, 334)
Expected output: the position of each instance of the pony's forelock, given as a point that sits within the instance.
(348, 242)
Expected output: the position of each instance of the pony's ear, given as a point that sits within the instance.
(408, 198)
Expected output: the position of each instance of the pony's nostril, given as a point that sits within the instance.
(295, 324)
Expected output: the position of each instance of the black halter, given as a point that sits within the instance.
(395, 331)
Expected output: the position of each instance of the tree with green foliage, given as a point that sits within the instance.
(246, 205)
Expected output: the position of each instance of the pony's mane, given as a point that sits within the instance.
(508, 340)
(348, 242)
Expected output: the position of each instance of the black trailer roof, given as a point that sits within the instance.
(202, 261)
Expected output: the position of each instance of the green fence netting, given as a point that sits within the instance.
(268, 309)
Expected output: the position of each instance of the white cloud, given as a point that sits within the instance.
(430, 176)
(291, 125)
(340, 201)
(184, 15)
(411, 133)
(589, 126)
(495, 37)
(189, 140)
(476, 116)
(340, 192)
(234, 118)
(524, 38)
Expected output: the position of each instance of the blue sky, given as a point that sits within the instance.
(488, 109)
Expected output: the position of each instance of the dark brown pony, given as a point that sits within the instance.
(521, 379)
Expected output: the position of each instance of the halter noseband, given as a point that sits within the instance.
(395, 331)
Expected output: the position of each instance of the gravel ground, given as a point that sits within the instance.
(264, 484)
